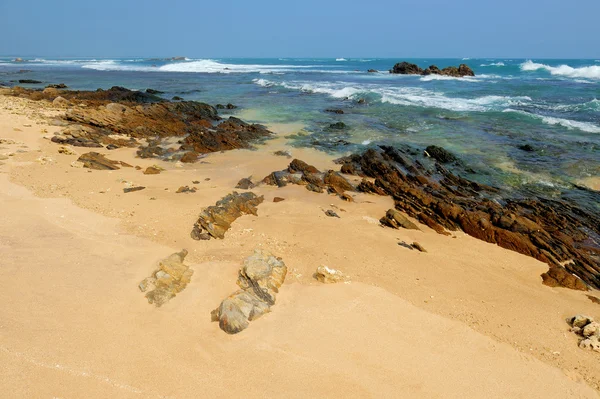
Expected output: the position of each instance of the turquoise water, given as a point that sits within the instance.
(552, 105)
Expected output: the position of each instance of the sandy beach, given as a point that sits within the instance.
(464, 319)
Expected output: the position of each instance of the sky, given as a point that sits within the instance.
(308, 28)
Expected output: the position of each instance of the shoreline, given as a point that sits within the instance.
(477, 293)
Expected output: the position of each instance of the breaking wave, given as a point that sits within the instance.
(566, 123)
(407, 96)
(588, 72)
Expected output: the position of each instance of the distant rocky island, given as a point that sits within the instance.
(406, 68)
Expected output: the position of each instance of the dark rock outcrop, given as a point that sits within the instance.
(29, 81)
(259, 279)
(135, 115)
(440, 154)
(217, 219)
(57, 86)
(554, 231)
(406, 68)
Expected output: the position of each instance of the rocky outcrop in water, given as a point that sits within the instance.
(406, 68)
(215, 220)
(171, 277)
(260, 278)
(554, 231)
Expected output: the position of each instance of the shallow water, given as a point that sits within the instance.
(552, 105)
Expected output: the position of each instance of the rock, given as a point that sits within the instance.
(132, 189)
(418, 247)
(245, 184)
(337, 126)
(580, 321)
(195, 181)
(57, 86)
(406, 68)
(260, 278)
(152, 91)
(286, 153)
(152, 170)
(94, 160)
(278, 199)
(328, 276)
(361, 101)
(594, 299)
(18, 59)
(177, 98)
(66, 151)
(526, 147)
(186, 190)
(440, 154)
(171, 277)
(29, 81)
(405, 245)
(335, 111)
(190, 157)
(61, 102)
(217, 219)
(558, 276)
(331, 214)
(550, 230)
(590, 344)
(300, 166)
(337, 182)
(372, 71)
(592, 329)
(396, 219)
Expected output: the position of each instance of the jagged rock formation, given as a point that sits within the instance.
(215, 220)
(171, 277)
(553, 231)
(588, 329)
(406, 68)
(99, 115)
(259, 279)
(94, 160)
(301, 173)
(396, 219)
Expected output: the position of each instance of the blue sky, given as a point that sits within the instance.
(308, 28)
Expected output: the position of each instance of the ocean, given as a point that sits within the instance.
(552, 106)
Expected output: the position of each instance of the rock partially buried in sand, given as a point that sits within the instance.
(66, 151)
(94, 160)
(245, 184)
(217, 219)
(171, 277)
(327, 275)
(132, 189)
(186, 190)
(588, 329)
(152, 170)
(259, 279)
(396, 219)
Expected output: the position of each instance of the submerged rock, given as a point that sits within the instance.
(260, 278)
(171, 277)
(217, 219)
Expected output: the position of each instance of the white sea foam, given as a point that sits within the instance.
(496, 64)
(366, 142)
(341, 59)
(403, 95)
(587, 72)
(429, 78)
(567, 123)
